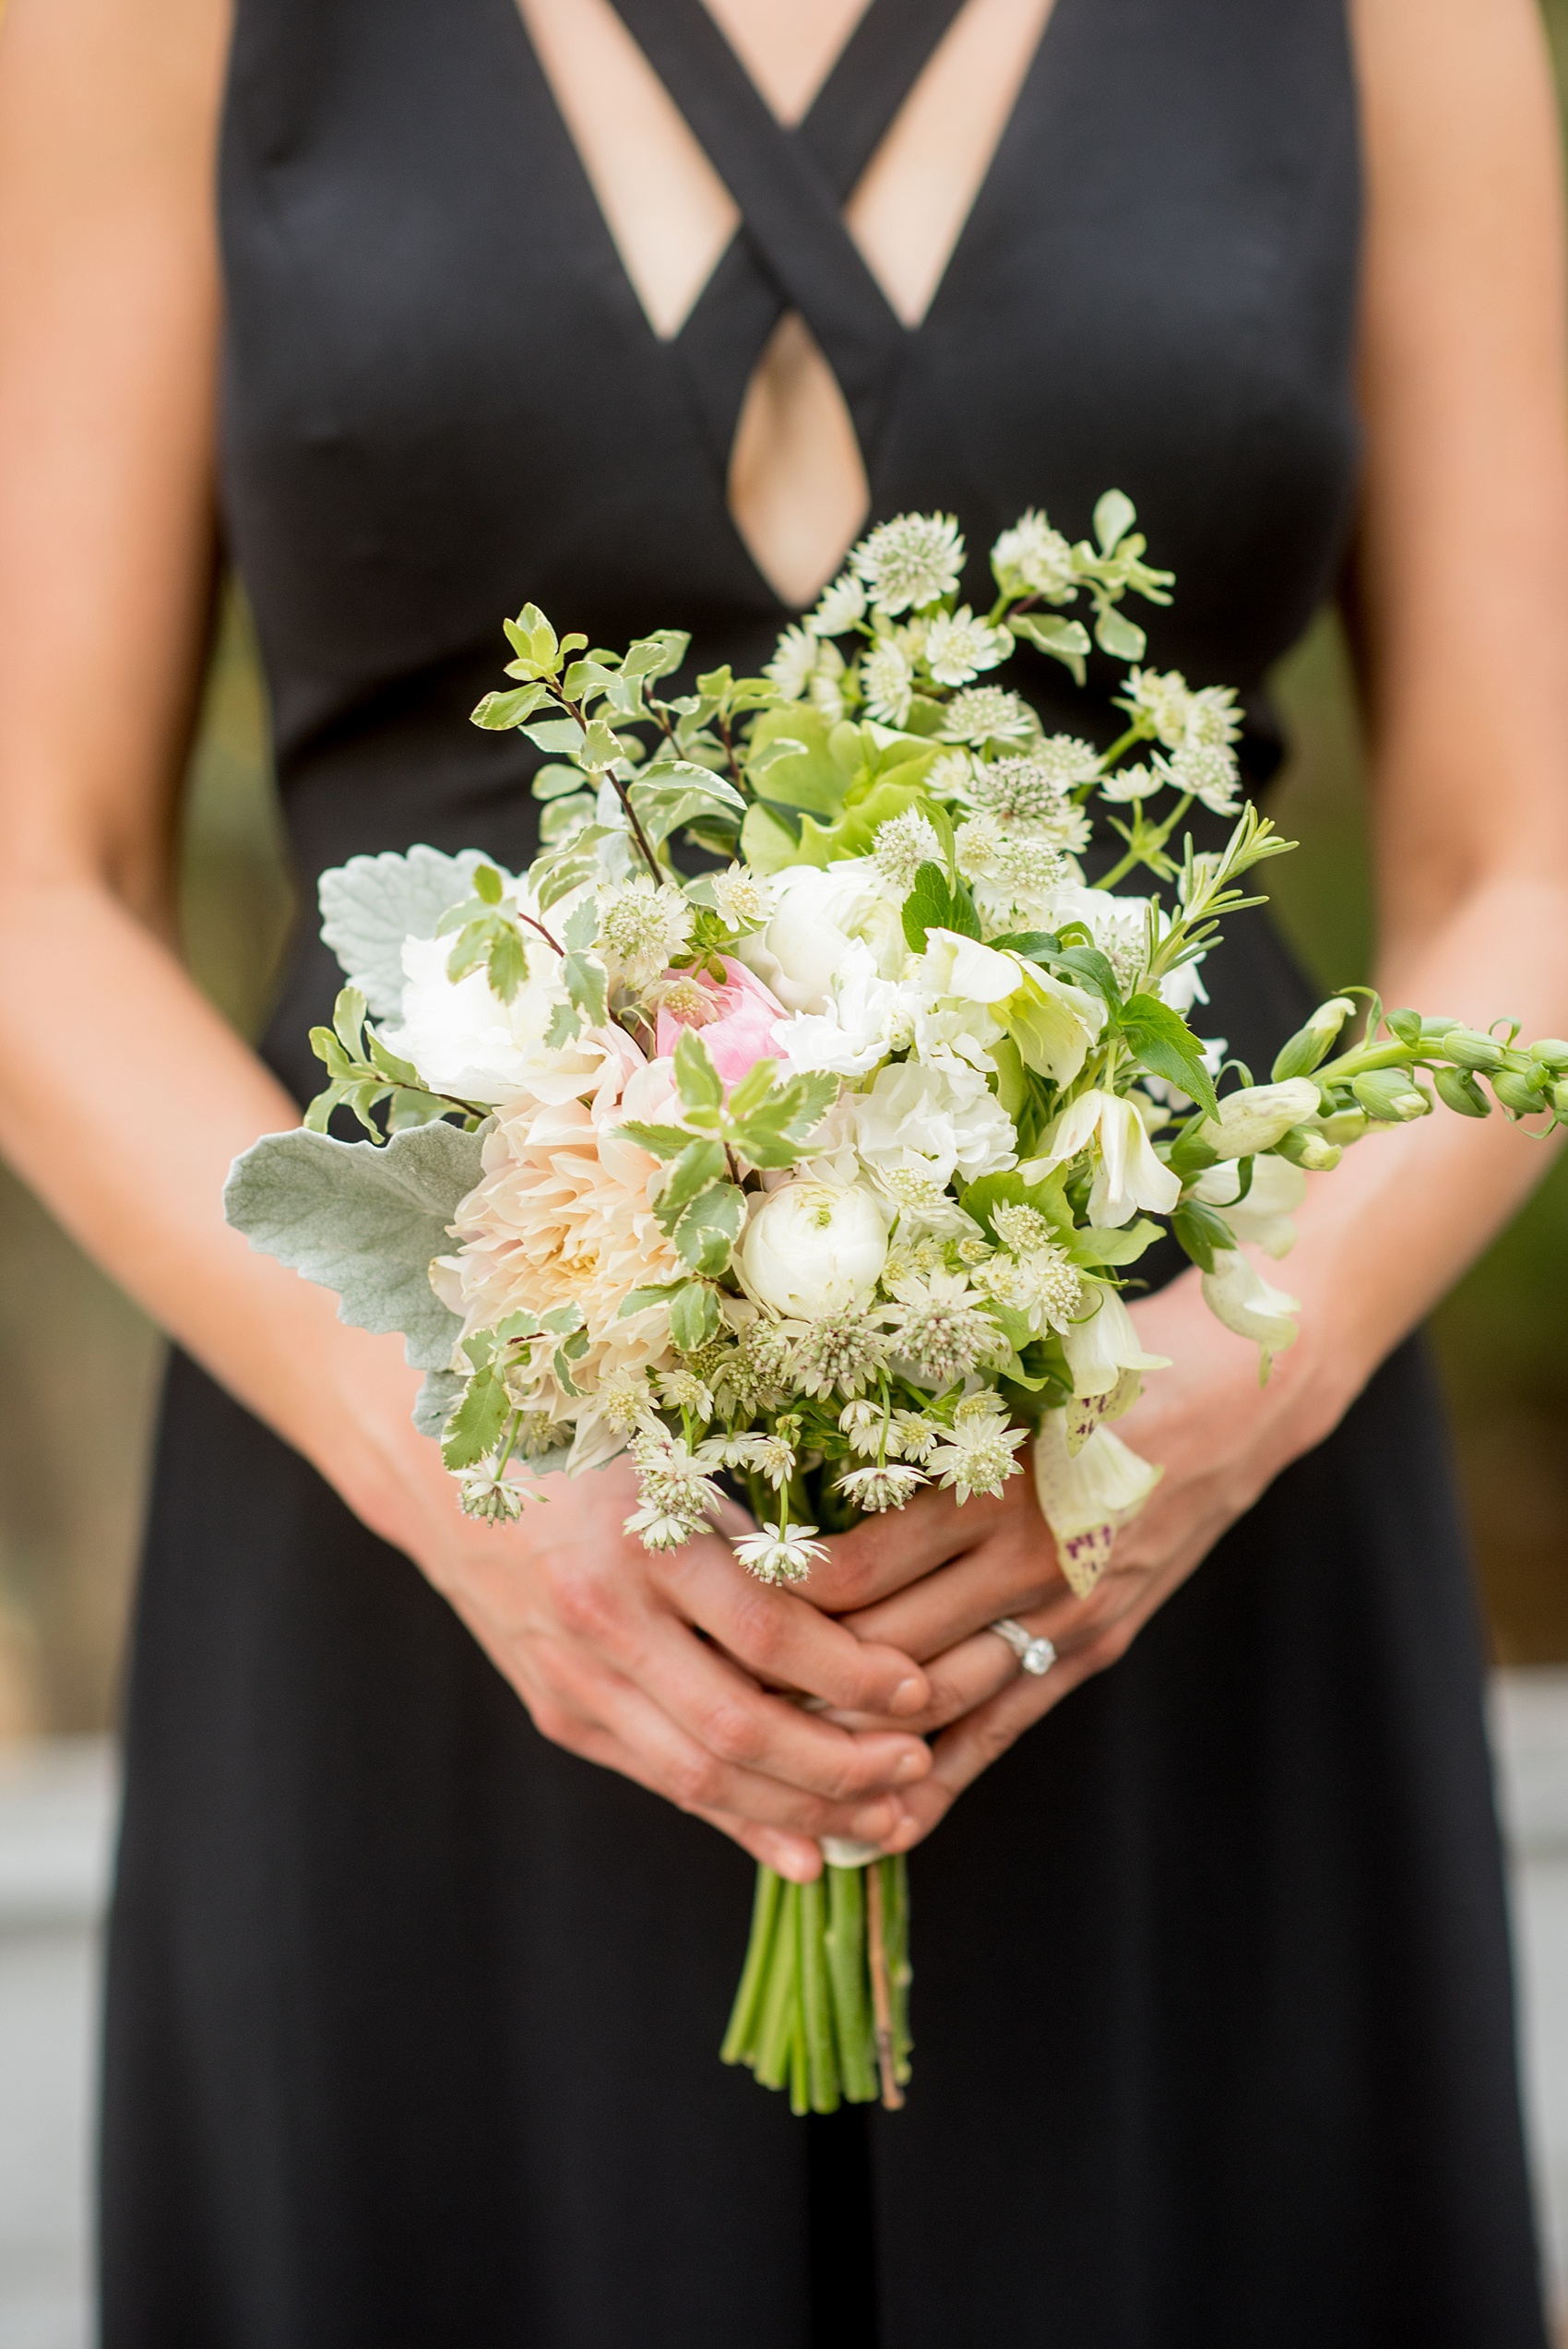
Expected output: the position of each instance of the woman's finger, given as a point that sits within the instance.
(883, 1554)
(799, 1857)
(786, 1641)
(722, 1708)
(665, 1757)
(961, 1678)
(1007, 1573)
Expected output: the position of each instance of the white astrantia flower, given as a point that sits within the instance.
(792, 665)
(1085, 1498)
(939, 1326)
(643, 926)
(986, 714)
(494, 1499)
(912, 561)
(1208, 770)
(864, 1422)
(812, 1248)
(1102, 1343)
(1260, 1115)
(1033, 555)
(1128, 1178)
(978, 1454)
(780, 1553)
(913, 1436)
(1032, 1275)
(742, 899)
(1181, 717)
(1007, 871)
(1272, 1198)
(876, 1488)
(839, 607)
(902, 845)
(844, 1351)
(827, 690)
(957, 646)
(1135, 782)
(1236, 1294)
(933, 1122)
(951, 773)
(887, 681)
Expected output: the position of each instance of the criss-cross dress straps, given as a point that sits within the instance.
(794, 251)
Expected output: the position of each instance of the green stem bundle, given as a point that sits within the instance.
(822, 2006)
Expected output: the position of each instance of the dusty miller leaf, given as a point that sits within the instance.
(371, 903)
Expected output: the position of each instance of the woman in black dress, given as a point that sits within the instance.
(413, 2011)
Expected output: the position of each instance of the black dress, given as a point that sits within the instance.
(413, 2018)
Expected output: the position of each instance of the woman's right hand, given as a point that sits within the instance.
(666, 1667)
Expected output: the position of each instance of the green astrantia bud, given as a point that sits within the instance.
(1458, 1090)
(1523, 1095)
(1470, 1049)
(1311, 1044)
(1388, 1094)
(1309, 1148)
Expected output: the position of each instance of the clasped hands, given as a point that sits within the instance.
(687, 1675)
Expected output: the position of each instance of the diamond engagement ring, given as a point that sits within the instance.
(1037, 1656)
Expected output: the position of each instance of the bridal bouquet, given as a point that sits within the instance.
(824, 1172)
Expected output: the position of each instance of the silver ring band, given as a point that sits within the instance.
(1036, 1656)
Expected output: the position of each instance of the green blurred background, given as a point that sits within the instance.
(70, 1510)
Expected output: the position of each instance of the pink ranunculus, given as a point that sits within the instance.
(737, 1019)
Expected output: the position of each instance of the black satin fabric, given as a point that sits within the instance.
(413, 2018)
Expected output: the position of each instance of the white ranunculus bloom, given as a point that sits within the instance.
(812, 1248)
(819, 908)
(1087, 1495)
(459, 1034)
(1236, 1294)
(937, 1119)
(1128, 1178)
(1104, 1344)
(1275, 1194)
(1256, 1117)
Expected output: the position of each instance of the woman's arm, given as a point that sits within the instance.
(122, 1095)
(1462, 630)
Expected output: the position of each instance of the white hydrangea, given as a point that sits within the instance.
(793, 665)
(1034, 555)
(887, 680)
(902, 845)
(986, 714)
(840, 606)
(957, 646)
(914, 560)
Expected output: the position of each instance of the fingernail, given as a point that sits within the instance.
(913, 1765)
(908, 1696)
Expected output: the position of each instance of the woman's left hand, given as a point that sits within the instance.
(930, 1578)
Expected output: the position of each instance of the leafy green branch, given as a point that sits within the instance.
(362, 1074)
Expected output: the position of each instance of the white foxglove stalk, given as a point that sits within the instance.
(1128, 1178)
(1258, 1117)
(1104, 1343)
(813, 1248)
(1085, 1498)
(1263, 1216)
(1236, 1294)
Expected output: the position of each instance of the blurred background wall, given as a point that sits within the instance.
(72, 1483)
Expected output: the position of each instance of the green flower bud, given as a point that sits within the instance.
(1343, 1126)
(1308, 1146)
(1470, 1049)
(1388, 1094)
(1559, 1100)
(1523, 1095)
(1309, 1044)
(1459, 1090)
(1551, 1052)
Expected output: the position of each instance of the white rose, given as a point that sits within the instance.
(813, 1248)
(819, 910)
(459, 1035)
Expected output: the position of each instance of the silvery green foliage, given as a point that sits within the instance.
(362, 1219)
(371, 903)
(438, 1398)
